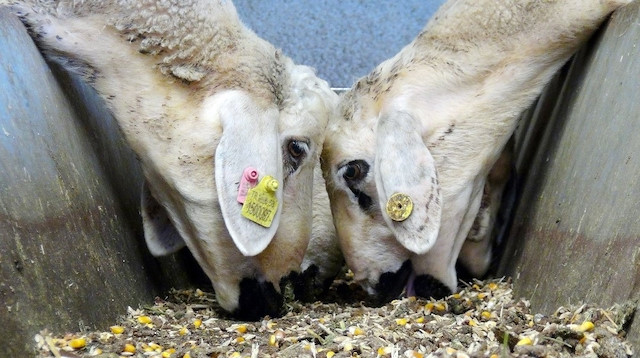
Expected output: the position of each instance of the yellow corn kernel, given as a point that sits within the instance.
(78, 343)
(144, 319)
(440, 307)
(330, 354)
(456, 296)
(168, 353)
(420, 320)
(129, 348)
(241, 328)
(384, 350)
(156, 347)
(472, 323)
(239, 339)
(235, 355)
(270, 324)
(401, 321)
(356, 331)
(272, 340)
(494, 356)
(307, 347)
(414, 354)
(348, 347)
(186, 355)
(526, 341)
(485, 314)
(482, 295)
(197, 322)
(586, 326)
(116, 329)
(493, 286)
(183, 331)
(429, 306)
(476, 286)
(321, 320)
(199, 292)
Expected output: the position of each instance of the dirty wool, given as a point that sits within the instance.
(482, 320)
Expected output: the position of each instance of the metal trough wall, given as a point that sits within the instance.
(71, 246)
(576, 232)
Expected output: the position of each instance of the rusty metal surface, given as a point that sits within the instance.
(71, 245)
(576, 232)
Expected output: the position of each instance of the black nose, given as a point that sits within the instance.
(309, 286)
(428, 286)
(258, 299)
(391, 284)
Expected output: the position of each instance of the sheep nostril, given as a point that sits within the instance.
(391, 284)
(428, 286)
(258, 299)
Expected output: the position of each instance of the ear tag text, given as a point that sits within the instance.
(261, 203)
(399, 207)
(249, 180)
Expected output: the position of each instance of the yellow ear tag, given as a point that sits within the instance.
(261, 203)
(399, 207)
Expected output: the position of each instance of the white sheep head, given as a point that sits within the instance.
(200, 98)
(429, 124)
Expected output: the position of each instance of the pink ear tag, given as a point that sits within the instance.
(249, 180)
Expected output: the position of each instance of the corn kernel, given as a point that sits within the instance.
(186, 355)
(235, 355)
(494, 356)
(156, 347)
(586, 326)
(472, 323)
(420, 320)
(384, 350)
(116, 329)
(482, 295)
(183, 331)
(168, 353)
(272, 340)
(239, 339)
(199, 292)
(440, 307)
(429, 306)
(78, 343)
(241, 328)
(414, 354)
(144, 319)
(476, 286)
(348, 347)
(456, 296)
(486, 314)
(197, 322)
(330, 354)
(401, 321)
(129, 348)
(493, 286)
(356, 331)
(526, 341)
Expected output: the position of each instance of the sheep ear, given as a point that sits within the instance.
(407, 182)
(161, 236)
(249, 139)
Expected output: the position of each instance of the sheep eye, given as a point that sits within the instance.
(295, 148)
(295, 152)
(355, 170)
(352, 172)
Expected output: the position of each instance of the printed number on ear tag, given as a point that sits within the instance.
(261, 203)
(399, 207)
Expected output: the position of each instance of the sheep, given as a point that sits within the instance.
(439, 112)
(200, 98)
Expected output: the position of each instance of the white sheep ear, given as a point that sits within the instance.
(161, 236)
(407, 182)
(249, 139)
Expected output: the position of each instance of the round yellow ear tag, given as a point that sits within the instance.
(399, 207)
